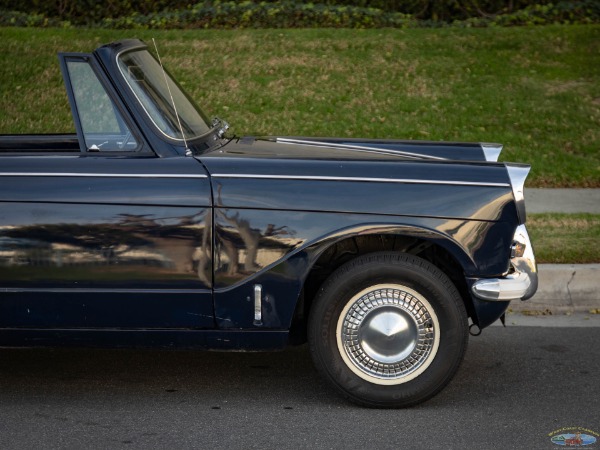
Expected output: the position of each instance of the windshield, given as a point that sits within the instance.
(147, 81)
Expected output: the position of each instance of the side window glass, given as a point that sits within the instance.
(102, 124)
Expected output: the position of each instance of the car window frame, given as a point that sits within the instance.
(174, 82)
(142, 149)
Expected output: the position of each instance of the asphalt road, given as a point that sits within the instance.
(516, 386)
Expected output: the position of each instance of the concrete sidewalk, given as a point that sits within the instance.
(562, 200)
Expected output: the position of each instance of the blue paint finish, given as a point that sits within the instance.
(465, 240)
(486, 313)
(282, 262)
(109, 223)
(235, 340)
(464, 151)
(98, 308)
(399, 199)
(155, 248)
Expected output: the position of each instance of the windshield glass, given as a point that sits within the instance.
(147, 81)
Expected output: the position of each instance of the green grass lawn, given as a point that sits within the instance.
(565, 238)
(536, 90)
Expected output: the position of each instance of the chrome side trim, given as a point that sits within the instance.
(522, 283)
(361, 148)
(360, 179)
(491, 152)
(257, 304)
(100, 175)
(518, 175)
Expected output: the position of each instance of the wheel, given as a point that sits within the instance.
(388, 330)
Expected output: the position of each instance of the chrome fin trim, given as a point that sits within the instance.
(491, 152)
(518, 174)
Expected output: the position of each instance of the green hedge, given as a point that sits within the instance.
(575, 12)
(85, 12)
(287, 14)
(294, 14)
(444, 10)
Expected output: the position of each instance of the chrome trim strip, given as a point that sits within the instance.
(100, 175)
(257, 304)
(360, 179)
(361, 148)
(491, 152)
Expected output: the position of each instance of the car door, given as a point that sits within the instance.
(112, 236)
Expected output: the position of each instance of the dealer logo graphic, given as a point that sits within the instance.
(573, 437)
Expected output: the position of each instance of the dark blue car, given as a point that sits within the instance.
(154, 227)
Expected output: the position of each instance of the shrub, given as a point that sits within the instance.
(88, 12)
(248, 14)
(296, 14)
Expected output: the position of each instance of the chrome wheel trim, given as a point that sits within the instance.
(388, 334)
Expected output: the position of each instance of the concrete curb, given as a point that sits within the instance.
(564, 288)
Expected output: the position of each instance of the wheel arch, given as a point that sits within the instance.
(432, 246)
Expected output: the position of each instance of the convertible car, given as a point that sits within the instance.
(152, 226)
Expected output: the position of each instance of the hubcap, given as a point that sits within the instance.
(388, 334)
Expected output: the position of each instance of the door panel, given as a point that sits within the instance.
(96, 249)
(117, 238)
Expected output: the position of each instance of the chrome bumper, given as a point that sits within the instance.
(521, 283)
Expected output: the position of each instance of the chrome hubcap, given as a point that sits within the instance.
(388, 334)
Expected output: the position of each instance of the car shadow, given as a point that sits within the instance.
(494, 361)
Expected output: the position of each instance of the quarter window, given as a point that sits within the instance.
(103, 126)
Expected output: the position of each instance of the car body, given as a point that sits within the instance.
(152, 227)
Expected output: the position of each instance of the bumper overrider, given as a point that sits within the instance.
(521, 282)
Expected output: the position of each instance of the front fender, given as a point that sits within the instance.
(252, 248)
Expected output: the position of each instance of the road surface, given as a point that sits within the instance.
(516, 386)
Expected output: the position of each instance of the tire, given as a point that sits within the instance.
(388, 330)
